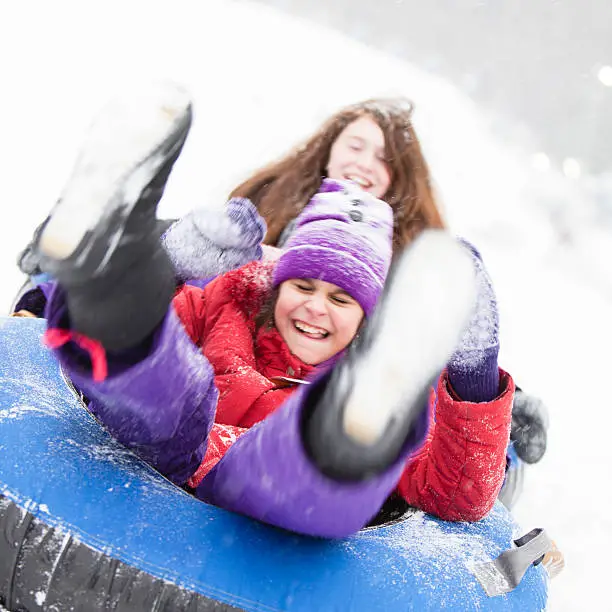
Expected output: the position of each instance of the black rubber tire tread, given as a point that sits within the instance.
(44, 569)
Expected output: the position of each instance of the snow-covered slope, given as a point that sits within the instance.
(261, 81)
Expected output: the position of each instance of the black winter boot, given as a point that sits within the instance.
(101, 240)
(374, 402)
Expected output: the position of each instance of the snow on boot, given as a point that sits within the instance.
(101, 240)
(375, 400)
(134, 140)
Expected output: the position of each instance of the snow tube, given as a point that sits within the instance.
(86, 525)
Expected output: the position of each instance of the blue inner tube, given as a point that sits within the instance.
(84, 524)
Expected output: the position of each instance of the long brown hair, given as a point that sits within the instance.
(282, 189)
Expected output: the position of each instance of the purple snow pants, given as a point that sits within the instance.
(160, 401)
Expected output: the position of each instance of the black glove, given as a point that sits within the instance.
(529, 426)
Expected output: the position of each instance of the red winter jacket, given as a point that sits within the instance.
(456, 474)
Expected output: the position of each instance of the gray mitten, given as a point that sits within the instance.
(207, 242)
(529, 426)
(28, 260)
(472, 369)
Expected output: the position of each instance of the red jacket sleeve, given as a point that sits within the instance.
(458, 472)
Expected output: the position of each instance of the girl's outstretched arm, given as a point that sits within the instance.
(458, 472)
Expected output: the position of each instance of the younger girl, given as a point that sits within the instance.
(321, 457)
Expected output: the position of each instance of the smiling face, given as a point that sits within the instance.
(358, 155)
(316, 319)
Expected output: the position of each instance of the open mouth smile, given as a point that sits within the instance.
(359, 180)
(310, 331)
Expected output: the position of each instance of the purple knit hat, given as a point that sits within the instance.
(343, 236)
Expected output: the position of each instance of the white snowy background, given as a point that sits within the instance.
(261, 81)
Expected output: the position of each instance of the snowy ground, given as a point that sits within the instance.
(262, 80)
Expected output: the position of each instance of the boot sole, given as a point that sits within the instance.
(127, 143)
(421, 321)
